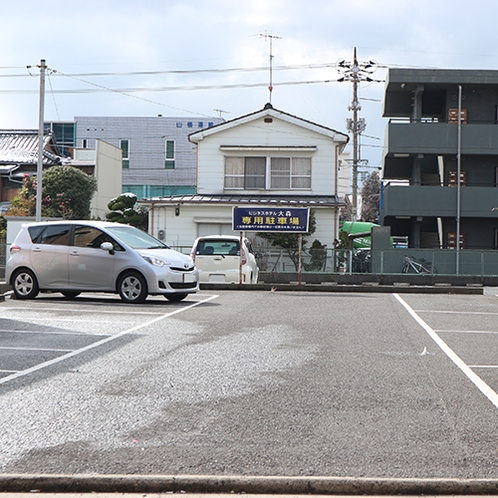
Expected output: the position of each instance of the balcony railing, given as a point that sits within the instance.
(432, 137)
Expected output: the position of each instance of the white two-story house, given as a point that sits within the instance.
(266, 158)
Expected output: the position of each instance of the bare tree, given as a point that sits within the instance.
(370, 198)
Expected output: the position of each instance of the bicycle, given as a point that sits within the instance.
(410, 264)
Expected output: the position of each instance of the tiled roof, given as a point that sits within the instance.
(21, 147)
(279, 200)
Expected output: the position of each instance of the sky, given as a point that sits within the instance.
(212, 58)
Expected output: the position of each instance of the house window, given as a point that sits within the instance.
(169, 154)
(124, 145)
(290, 173)
(255, 173)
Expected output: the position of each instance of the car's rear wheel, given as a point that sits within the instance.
(175, 298)
(70, 294)
(24, 284)
(132, 288)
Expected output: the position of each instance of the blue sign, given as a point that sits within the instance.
(270, 219)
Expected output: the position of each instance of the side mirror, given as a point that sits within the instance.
(107, 246)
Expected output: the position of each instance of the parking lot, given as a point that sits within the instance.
(251, 383)
(37, 334)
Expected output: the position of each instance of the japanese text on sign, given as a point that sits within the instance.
(271, 219)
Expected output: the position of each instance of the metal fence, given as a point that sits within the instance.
(386, 262)
(383, 262)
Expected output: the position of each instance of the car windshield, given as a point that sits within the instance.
(136, 239)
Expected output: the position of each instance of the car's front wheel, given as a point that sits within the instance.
(24, 284)
(175, 298)
(132, 288)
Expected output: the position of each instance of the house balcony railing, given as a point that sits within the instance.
(429, 137)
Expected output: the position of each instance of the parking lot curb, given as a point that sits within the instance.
(315, 485)
(334, 287)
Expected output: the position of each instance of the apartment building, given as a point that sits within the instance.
(440, 164)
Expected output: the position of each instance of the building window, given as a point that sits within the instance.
(169, 154)
(289, 173)
(279, 173)
(254, 173)
(124, 145)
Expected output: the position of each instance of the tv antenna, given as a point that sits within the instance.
(268, 36)
(220, 112)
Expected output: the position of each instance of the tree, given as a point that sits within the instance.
(66, 193)
(370, 198)
(346, 213)
(290, 241)
(123, 210)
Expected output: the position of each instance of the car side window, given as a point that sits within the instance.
(35, 231)
(54, 235)
(86, 236)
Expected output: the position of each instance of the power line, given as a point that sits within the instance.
(101, 88)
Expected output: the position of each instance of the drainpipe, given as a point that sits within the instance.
(459, 165)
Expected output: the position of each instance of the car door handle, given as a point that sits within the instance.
(74, 253)
(36, 249)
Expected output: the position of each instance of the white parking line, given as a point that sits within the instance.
(2, 348)
(450, 312)
(50, 332)
(452, 331)
(78, 310)
(94, 345)
(473, 377)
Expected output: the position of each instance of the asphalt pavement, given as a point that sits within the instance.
(221, 485)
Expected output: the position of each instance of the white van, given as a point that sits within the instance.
(220, 260)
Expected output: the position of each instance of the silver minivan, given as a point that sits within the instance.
(94, 256)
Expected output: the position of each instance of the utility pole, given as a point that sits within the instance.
(39, 169)
(356, 72)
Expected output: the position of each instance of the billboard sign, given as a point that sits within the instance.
(270, 219)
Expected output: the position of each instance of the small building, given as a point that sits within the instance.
(104, 163)
(268, 158)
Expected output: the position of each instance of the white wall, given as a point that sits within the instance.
(108, 167)
(182, 230)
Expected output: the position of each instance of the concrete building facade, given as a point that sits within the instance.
(440, 164)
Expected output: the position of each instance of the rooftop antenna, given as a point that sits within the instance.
(270, 37)
(220, 112)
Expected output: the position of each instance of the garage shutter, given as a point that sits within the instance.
(214, 229)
